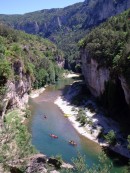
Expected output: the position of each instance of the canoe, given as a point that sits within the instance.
(72, 143)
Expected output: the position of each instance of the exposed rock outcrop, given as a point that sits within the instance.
(99, 10)
(17, 89)
(84, 15)
(66, 26)
(39, 163)
(126, 89)
(94, 75)
(97, 76)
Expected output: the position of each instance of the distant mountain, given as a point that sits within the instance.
(66, 26)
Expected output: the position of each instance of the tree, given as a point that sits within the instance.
(41, 78)
(111, 137)
(81, 117)
(51, 73)
(80, 165)
(5, 71)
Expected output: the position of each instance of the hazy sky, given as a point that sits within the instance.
(24, 6)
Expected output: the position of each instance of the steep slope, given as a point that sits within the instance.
(68, 25)
(99, 10)
(26, 61)
(105, 54)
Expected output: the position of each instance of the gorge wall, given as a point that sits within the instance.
(106, 65)
(99, 11)
(111, 91)
(97, 77)
(17, 89)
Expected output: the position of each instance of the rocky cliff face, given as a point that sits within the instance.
(99, 10)
(125, 88)
(97, 77)
(17, 89)
(80, 15)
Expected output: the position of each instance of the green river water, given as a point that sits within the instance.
(56, 123)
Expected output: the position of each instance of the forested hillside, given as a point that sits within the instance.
(26, 61)
(37, 56)
(66, 26)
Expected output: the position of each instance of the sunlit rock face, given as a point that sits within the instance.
(82, 15)
(20, 87)
(95, 77)
(17, 89)
(99, 10)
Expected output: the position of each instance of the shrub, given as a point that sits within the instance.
(111, 137)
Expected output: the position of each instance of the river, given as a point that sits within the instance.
(57, 124)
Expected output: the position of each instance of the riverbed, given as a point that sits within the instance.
(57, 124)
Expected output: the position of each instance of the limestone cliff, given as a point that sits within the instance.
(83, 15)
(125, 88)
(106, 65)
(17, 89)
(97, 77)
(100, 10)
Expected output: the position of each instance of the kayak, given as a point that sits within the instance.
(53, 136)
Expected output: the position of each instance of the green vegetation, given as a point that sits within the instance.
(111, 137)
(15, 141)
(27, 113)
(80, 165)
(109, 44)
(37, 57)
(65, 26)
(81, 117)
(62, 26)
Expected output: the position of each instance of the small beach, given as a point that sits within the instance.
(37, 92)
